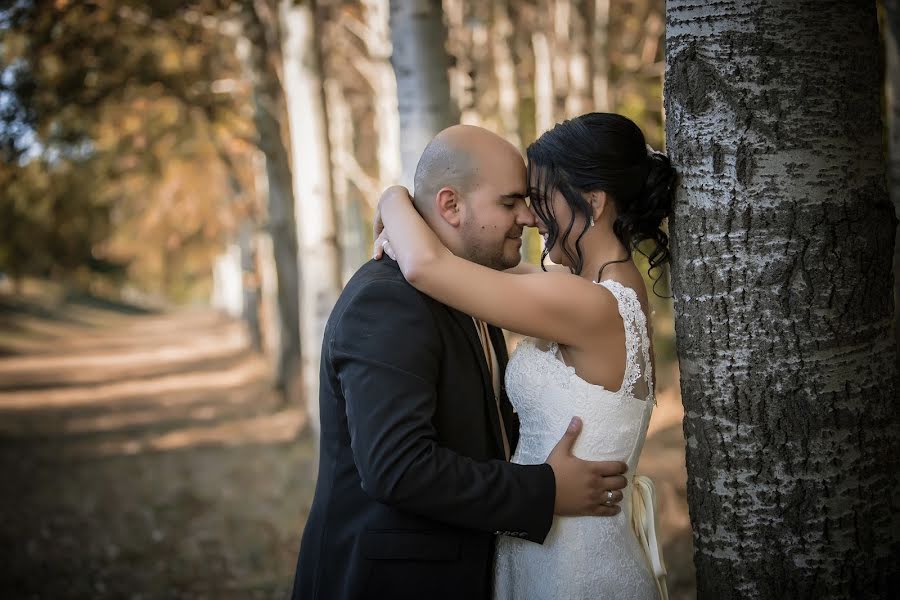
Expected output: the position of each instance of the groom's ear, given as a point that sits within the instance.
(448, 206)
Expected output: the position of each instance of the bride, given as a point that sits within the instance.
(596, 192)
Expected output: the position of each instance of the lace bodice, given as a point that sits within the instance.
(582, 557)
(547, 393)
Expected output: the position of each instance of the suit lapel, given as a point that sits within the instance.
(468, 326)
(510, 419)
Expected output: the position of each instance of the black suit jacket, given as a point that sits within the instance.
(412, 484)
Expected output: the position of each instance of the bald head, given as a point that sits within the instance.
(455, 158)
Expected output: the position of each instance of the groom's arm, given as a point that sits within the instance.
(386, 353)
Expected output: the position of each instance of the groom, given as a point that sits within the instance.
(414, 480)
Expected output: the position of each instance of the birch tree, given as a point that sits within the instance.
(420, 64)
(320, 263)
(782, 243)
(260, 51)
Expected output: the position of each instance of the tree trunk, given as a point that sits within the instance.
(505, 72)
(355, 246)
(560, 46)
(260, 51)
(250, 282)
(420, 64)
(892, 69)
(782, 242)
(543, 83)
(579, 98)
(384, 91)
(600, 56)
(227, 290)
(320, 261)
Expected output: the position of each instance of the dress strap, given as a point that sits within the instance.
(636, 336)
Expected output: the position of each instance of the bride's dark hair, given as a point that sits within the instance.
(603, 152)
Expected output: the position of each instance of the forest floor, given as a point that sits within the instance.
(144, 455)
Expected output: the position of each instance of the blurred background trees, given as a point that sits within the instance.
(232, 152)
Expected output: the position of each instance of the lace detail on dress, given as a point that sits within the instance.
(637, 338)
(583, 558)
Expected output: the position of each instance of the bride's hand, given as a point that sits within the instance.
(383, 246)
(382, 243)
(394, 191)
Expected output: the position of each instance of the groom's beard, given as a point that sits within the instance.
(496, 254)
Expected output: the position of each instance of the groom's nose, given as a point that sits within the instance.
(525, 217)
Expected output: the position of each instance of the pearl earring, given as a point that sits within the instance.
(592, 220)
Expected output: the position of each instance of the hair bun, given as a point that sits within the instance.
(653, 204)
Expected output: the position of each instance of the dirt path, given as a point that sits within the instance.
(144, 456)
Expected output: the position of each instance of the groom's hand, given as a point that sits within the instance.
(584, 487)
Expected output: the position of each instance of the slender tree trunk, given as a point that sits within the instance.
(310, 151)
(282, 229)
(268, 277)
(579, 99)
(384, 91)
(486, 85)
(543, 83)
(782, 242)
(227, 290)
(505, 71)
(892, 69)
(458, 15)
(600, 56)
(420, 64)
(354, 245)
(560, 46)
(250, 280)
(260, 52)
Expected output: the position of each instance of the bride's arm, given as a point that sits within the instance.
(555, 306)
(524, 268)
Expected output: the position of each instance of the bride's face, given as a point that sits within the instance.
(558, 210)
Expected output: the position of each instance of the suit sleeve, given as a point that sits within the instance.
(386, 351)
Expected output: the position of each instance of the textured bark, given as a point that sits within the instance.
(543, 83)
(892, 69)
(320, 262)
(260, 55)
(420, 63)
(252, 298)
(782, 243)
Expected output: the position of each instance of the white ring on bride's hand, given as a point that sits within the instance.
(609, 497)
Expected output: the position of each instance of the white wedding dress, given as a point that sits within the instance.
(586, 557)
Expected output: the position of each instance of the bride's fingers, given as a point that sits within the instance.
(378, 251)
(389, 250)
(609, 498)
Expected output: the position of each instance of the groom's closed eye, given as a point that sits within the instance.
(509, 200)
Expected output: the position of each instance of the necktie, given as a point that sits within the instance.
(494, 375)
